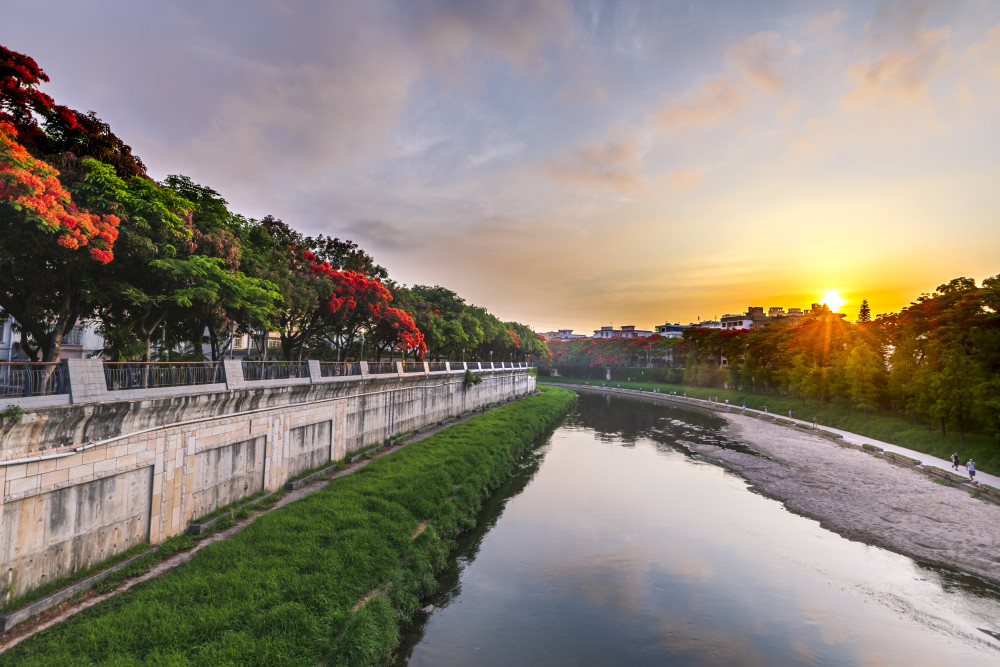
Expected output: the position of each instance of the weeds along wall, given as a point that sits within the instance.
(81, 483)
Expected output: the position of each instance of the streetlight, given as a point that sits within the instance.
(362, 358)
(232, 338)
(491, 358)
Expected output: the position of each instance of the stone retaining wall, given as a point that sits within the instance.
(81, 483)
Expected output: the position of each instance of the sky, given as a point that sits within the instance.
(572, 164)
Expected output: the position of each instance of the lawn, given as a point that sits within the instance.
(288, 589)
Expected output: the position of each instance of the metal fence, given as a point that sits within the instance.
(457, 365)
(381, 367)
(28, 378)
(275, 370)
(413, 367)
(150, 375)
(437, 366)
(339, 368)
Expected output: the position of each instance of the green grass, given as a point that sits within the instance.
(219, 511)
(282, 590)
(47, 589)
(895, 428)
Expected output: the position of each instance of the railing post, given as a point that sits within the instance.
(315, 370)
(233, 370)
(87, 383)
(364, 369)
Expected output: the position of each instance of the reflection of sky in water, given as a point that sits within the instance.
(641, 554)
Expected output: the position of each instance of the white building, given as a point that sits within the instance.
(562, 334)
(628, 331)
(82, 342)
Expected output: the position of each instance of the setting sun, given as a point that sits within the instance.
(833, 300)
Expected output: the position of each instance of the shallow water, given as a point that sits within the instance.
(616, 546)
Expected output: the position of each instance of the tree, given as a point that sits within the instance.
(21, 103)
(864, 370)
(53, 251)
(865, 314)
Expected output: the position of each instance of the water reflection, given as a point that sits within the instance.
(638, 553)
(624, 421)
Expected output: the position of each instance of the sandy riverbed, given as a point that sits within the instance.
(865, 498)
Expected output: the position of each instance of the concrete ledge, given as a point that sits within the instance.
(945, 475)
(900, 458)
(302, 481)
(9, 621)
(35, 402)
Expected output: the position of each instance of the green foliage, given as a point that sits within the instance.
(284, 589)
(12, 414)
(472, 379)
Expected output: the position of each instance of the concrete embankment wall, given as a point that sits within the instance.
(81, 483)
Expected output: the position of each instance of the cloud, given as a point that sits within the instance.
(588, 92)
(716, 99)
(910, 58)
(514, 30)
(382, 234)
(897, 76)
(763, 59)
(686, 179)
(985, 55)
(812, 143)
(824, 27)
(614, 166)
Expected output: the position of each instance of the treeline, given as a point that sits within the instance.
(167, 269)
(937, 359)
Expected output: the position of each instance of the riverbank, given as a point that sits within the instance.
(865, 498)
(855, 494)
(325, 579)
(887, 427)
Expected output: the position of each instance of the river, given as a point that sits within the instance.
(615, 545)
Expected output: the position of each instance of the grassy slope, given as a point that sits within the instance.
(893, 428)
(282, 591)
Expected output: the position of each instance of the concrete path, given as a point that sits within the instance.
(925, 459)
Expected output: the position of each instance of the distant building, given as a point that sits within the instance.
(628, 331)
(562, 334)
(668, 330)
(755, 317)
(82, 342)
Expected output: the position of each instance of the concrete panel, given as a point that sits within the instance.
(225, 474)
(45, 536)
(308, 447)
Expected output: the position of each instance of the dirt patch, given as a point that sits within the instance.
(421, 527)
(365, 600)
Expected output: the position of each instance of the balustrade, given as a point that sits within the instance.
(27, 378)
(275, 370)
(148, 375)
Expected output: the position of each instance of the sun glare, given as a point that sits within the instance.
(833, 300)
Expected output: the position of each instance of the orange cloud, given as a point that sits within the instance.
(900, 75)
(614, 166)
(714, 100)
(762, 58)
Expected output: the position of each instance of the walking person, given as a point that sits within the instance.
(954, 461)
(816, 420)
(789, 414)
(971, 467)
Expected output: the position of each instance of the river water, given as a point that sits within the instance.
(615, 546)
